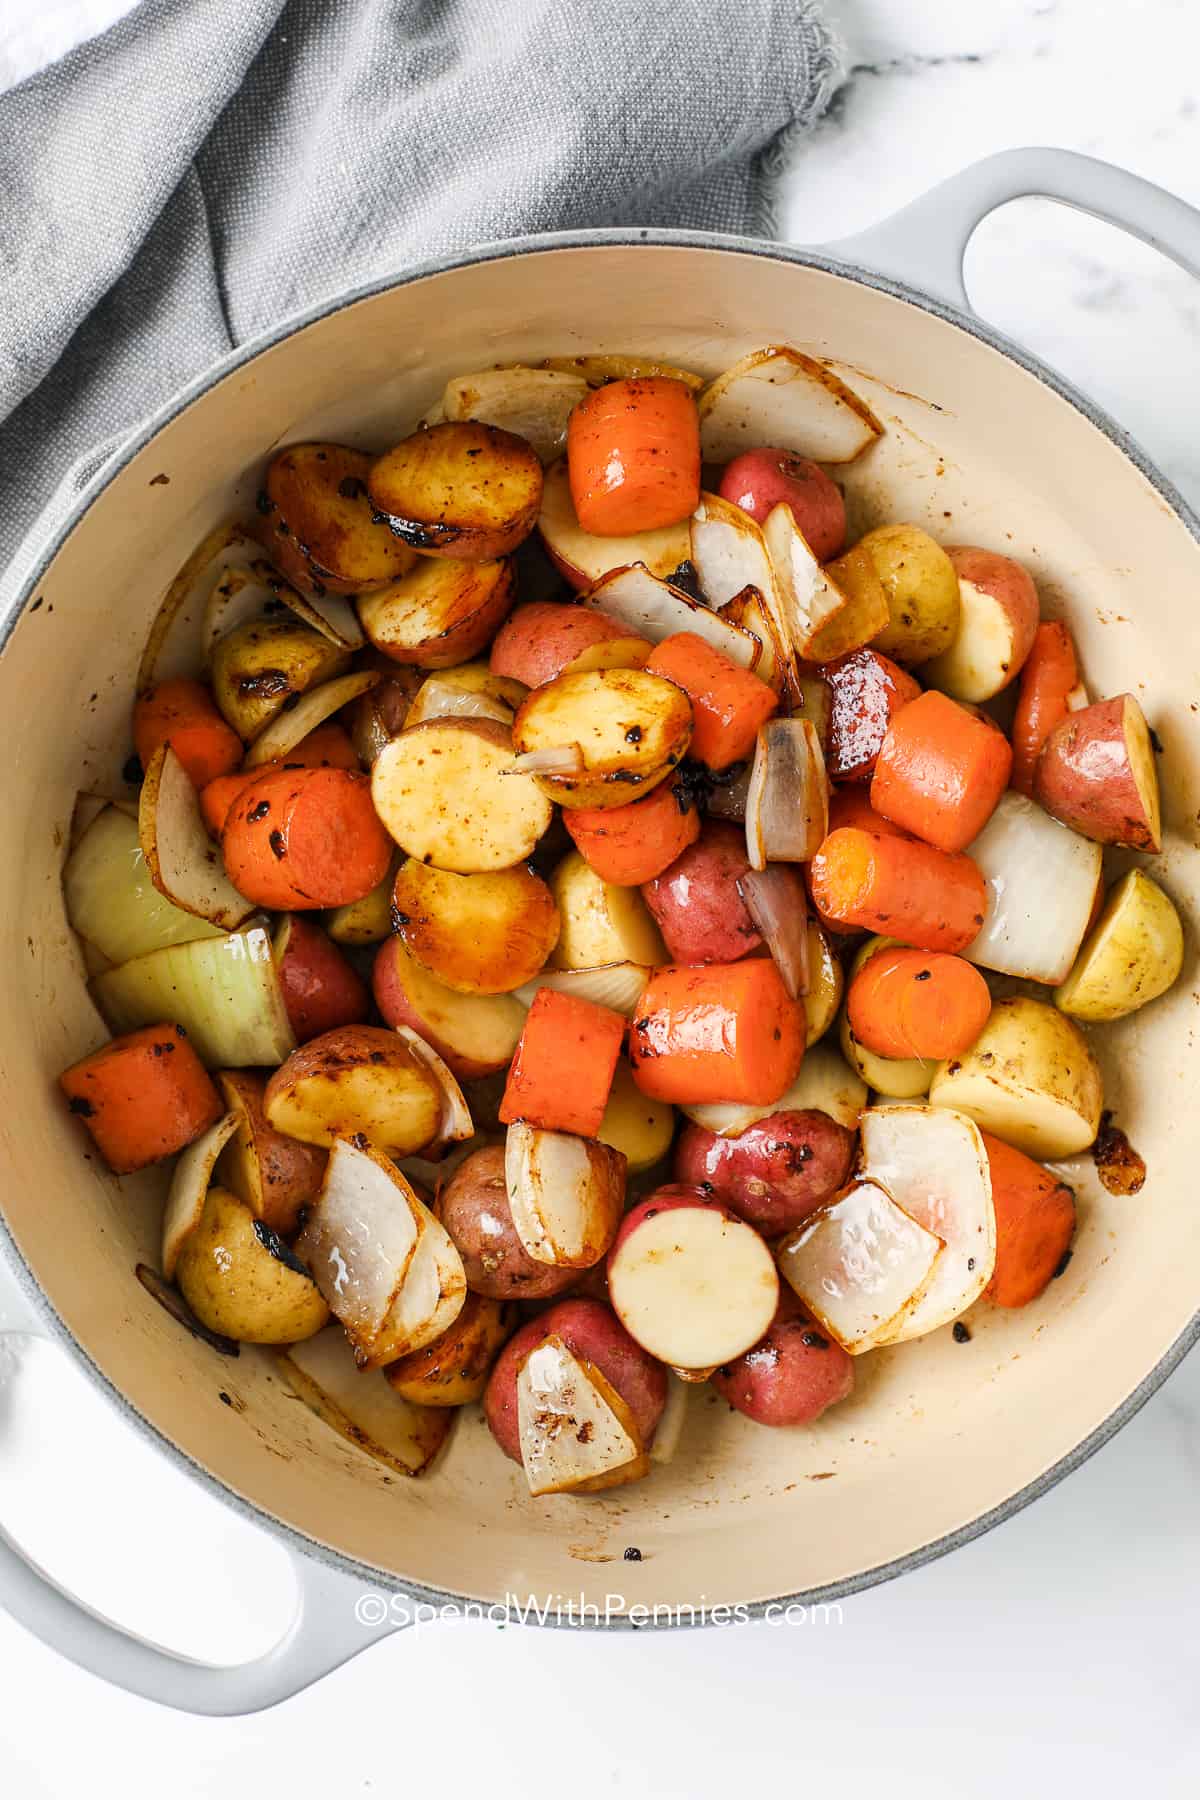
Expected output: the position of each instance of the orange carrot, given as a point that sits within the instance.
(184, 715)
(899, 888)
(566, 1058)
(1035, 1222)
(328, 747)
(297, 839)
(728, 704)
(216, 797)
(914, 1003)
(941, 771)
(631, 844)
(850, 804)
(1049, 676)
(633, 456)
(142, 1097)
(723, 1031)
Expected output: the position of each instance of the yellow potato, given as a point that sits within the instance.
(242, 1281)
(454, 1369)
(276, 1176)
(631, 730)
(365, 921)
(865, 614)
(440, 612)
(825, 984)
(1133, 955)
(897, 1078)
(320, 524)
(640, 1128)
(1029, 1079)
(446, 792)
(357, 1081)
(922, 592)
(599, 922)
(259, 667)
(460, 489)
(479, 934)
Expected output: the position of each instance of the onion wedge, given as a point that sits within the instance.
(112, 901)
(860, 1265)
(183, 861)
(289, 728)
(553, 759)
(776, 901)
(669, 1429)
(575, 1429)
(825, 1084)
(175, 645)
(1041, 879)
(652, 609)
(933, 1163)
(438, 699)
(729, 552)
(224, 991)
(363, 1409)
(566, 1195)
(806, 595)
(189, 1185)
(456, 1123)
(244, 593)
(618, 986)
(787, 799)
(535, 404)
(780, 396)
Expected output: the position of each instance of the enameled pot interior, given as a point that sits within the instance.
(937, 1434)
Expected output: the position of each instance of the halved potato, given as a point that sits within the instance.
(184, 865)
(919, 580)
(479, 934)
(453, 1370)
(447, 793)
(321, 523)
(441, 612)
(477, 1034)
(459, 490)
(601, 924)
(357, 1081)
(640, 1128)
(1030, 1079)
(277, 1176)
(262, 666)
(780, 396)
(583, 559)
(535, 404)
(365, 921)
(1134, 954)
(241, 1280)
(403, 1436)
(631, 728)
(1097, 773)
(600, 367)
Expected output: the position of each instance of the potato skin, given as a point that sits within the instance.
(261, 666)
(239, 1279)
(453, 1370)
(318, 522)
(277, 1176)
(696, 904)
(775, 1173)
(592, 1332)
(459, 489)
(757, 480)
(791, 1375)
(1132, 955)
(922, 592)
(1097, 774)
(473, 1206)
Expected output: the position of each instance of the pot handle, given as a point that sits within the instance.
(337, 1616)
(923, 245)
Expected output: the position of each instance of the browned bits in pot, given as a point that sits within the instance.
(1120, 1168)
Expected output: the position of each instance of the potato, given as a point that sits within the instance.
(1097, 774)
(773, 1174)
(320, 988)
(359, 1080)
(475, 1034)
(365, 921)
(241, 1280)
(825, 984)
(473, 1206)
(640, 1128)
(382, 713)
(277, 1176)
(453, 1370)
(696, 904)
(1029, 1079)
(757, 480)
(997, 623)
(548, 638)
(583, 559)
(922, 592)
(600, 924)
(319, 523)
(479, 934)
(460, 490)
(440, 612)
(791, 1375)
(631, 729)
(259, 667)
(1134, 954)
(447, 794)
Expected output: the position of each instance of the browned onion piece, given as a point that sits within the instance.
(776, 901)
(787, 801)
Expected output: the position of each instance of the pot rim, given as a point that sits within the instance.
(533, 244)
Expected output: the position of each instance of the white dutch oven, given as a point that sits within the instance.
(984, 446)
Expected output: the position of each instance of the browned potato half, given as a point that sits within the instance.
(631, 729)
(453, 1370)
(461, 489)
(447, 793)
(277, 1176)
(440, 613)
(479, 934)
(321, 523)
(241, 1280)
(262, 666)
(357, 1081)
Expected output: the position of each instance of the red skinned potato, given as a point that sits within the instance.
(320, 989)
(696, 904)
(773, 1174)
(474, 1034)
(278, 1177)
(473, 1206)
(997, 622)
(1097, 774)
(594, 1334)
(548, 638)
(758, 480)
(867, 689)
(791, 1375)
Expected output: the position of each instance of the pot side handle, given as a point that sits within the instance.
(337, 1615)
(923, 245)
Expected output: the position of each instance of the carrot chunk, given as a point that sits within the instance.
(917, 1003)
(633, 456)
(850, 804)
(142, 1097)
(328, 747)
(566, 1058)
(899, 888)
(728, 704)
(628, 845)
(724, 1031)
(1050, 675)
(940, 771)
(297, 839)
(1035, 1222)
(184, 715)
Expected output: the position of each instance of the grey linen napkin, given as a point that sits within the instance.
(208, 167)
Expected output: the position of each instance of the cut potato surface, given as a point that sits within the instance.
(1030, 1079)
(320, 513)
(631, 728)
(535, 404)
(480, 934)
(602, 926)
(1133, 955)
(691, 1283)
(440, 612)
(364, 1409)
(445, 793)
(780, 396)
(583, 559)
(357, 1081)
(453, 1370)
(459, 489)
(860, 1265)
(476, 1033)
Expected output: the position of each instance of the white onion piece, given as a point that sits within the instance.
(428, 1301)
(175, 644)
(533, 403)
(189, 1187)
(112, 901)
(360, 1238)
(573, 1427)
(554, 759)
(933, 1163)
(616, 985)
(456, 1125)
(776, 901)
(787, 799)
(437, 699)
(807, 596)
(244, 592)
(749, 610)
(292, 726)
(224, 991)
(654, 610)
(364, 1409)
(782, 397)
(859, 1265)
(184, 864)
(1041, 880)
(729, 553)
(669, 1429)
(565, 1193)
(826, 1083)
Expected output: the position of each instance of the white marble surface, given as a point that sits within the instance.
(1058, 1652)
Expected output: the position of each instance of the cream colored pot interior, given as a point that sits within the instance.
(937, 1433)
